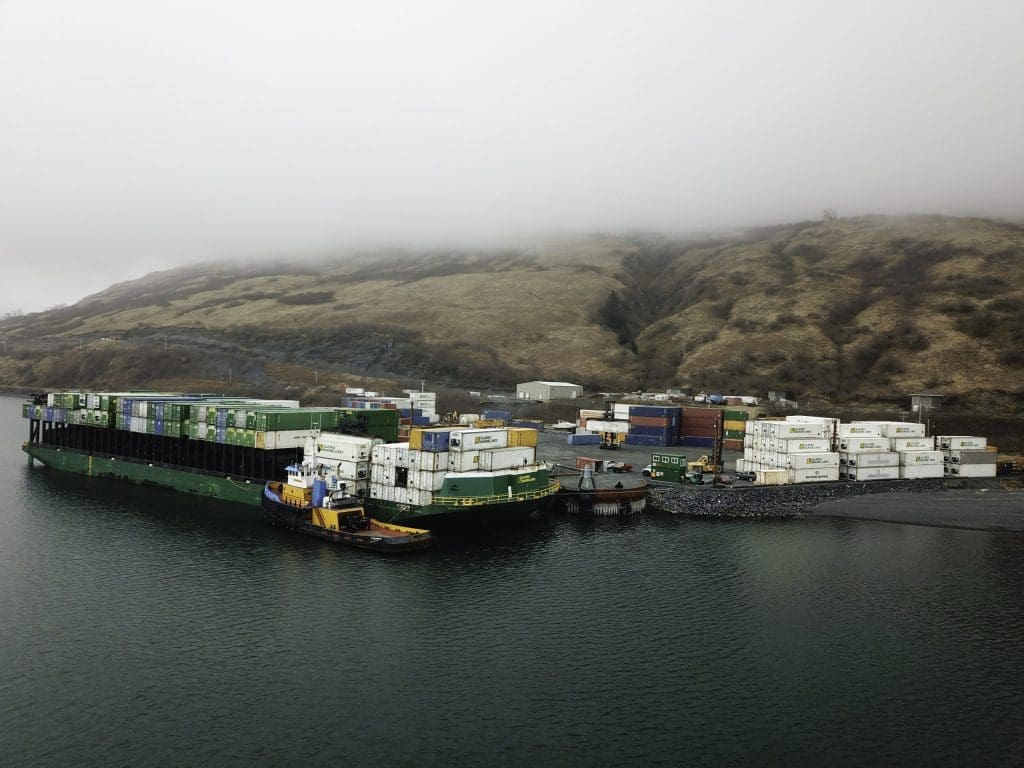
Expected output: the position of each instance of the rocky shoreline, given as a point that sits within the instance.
(826, 500)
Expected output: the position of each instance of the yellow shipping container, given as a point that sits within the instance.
(522, 437)
(416, 439)
(738, 426)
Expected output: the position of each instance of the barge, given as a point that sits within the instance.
(230, 448)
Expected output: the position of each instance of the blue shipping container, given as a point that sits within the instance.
(538, 425)
(436, 442)
(652, 431)
(700, 442)
(584, 440)
(653, 441)
(421, 421)
(657, 411)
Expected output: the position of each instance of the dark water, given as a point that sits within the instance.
(141, 627)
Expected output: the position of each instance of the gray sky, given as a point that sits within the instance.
(138, 135)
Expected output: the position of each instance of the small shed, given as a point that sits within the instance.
(548, 390)
(929, 400)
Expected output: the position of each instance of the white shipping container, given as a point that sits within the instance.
(748, 441)
(920, 458)
(808, 460)
(477, 439)
(961, 443)
(429, 461)
(344, 447)
(419, 497)
(827, 423)
(879, 459)
(805, 445)
(772, 476)
(873, 473)
(903, 429)
(795, 429)
(285, 438)
(505, 458)
(911, 443)
(348, 470)
(424, 480)
(620, 411)
(393, 454)
(464, 461)
(814, 475)
(859, 429)
(971, 470)
(618, 427)
(970, 457)
(591, 413)
(921, 471)
(863, 444)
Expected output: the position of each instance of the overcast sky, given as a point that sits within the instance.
(140, 135)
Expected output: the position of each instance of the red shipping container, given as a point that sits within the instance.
(649, 421)
(732, 445)
(702, 414)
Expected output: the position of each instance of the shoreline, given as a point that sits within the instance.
(983, 504)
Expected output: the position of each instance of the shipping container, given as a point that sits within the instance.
(277, 439)
(921, 471)
(522, 437)
(971, 457)
(961, 443)
(697, 441)
(911, 443)
(648, 440)
(808, 460)
(584, 439)
(920, 458)
(333, 445)
(476, 439)
(872, 473)
(464, 461)
(805, 445)
(814, 474)
(863, 444)
(869, 459)
(506, 458)
(601, 425)
(970, 470)
(859, 429)
(772, 476)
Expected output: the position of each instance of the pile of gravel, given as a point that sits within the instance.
(783, 501)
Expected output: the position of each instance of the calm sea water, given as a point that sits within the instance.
(143, 627)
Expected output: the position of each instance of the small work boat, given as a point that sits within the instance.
(307, 504)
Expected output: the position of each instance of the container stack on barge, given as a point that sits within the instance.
(229, 448)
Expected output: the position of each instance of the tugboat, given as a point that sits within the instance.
(309, 503)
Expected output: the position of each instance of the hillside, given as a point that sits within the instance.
(854, 310)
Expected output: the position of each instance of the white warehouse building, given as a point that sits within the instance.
(548, 390)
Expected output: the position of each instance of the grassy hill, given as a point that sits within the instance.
(855, 310)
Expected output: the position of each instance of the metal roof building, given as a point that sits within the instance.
(548, 390)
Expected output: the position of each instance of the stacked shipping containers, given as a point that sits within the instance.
(734, 429)
(701, 427)
(414, 472)
(796, 450)
(654, 425)
(966, 456)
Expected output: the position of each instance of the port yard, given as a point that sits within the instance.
(993, 504)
